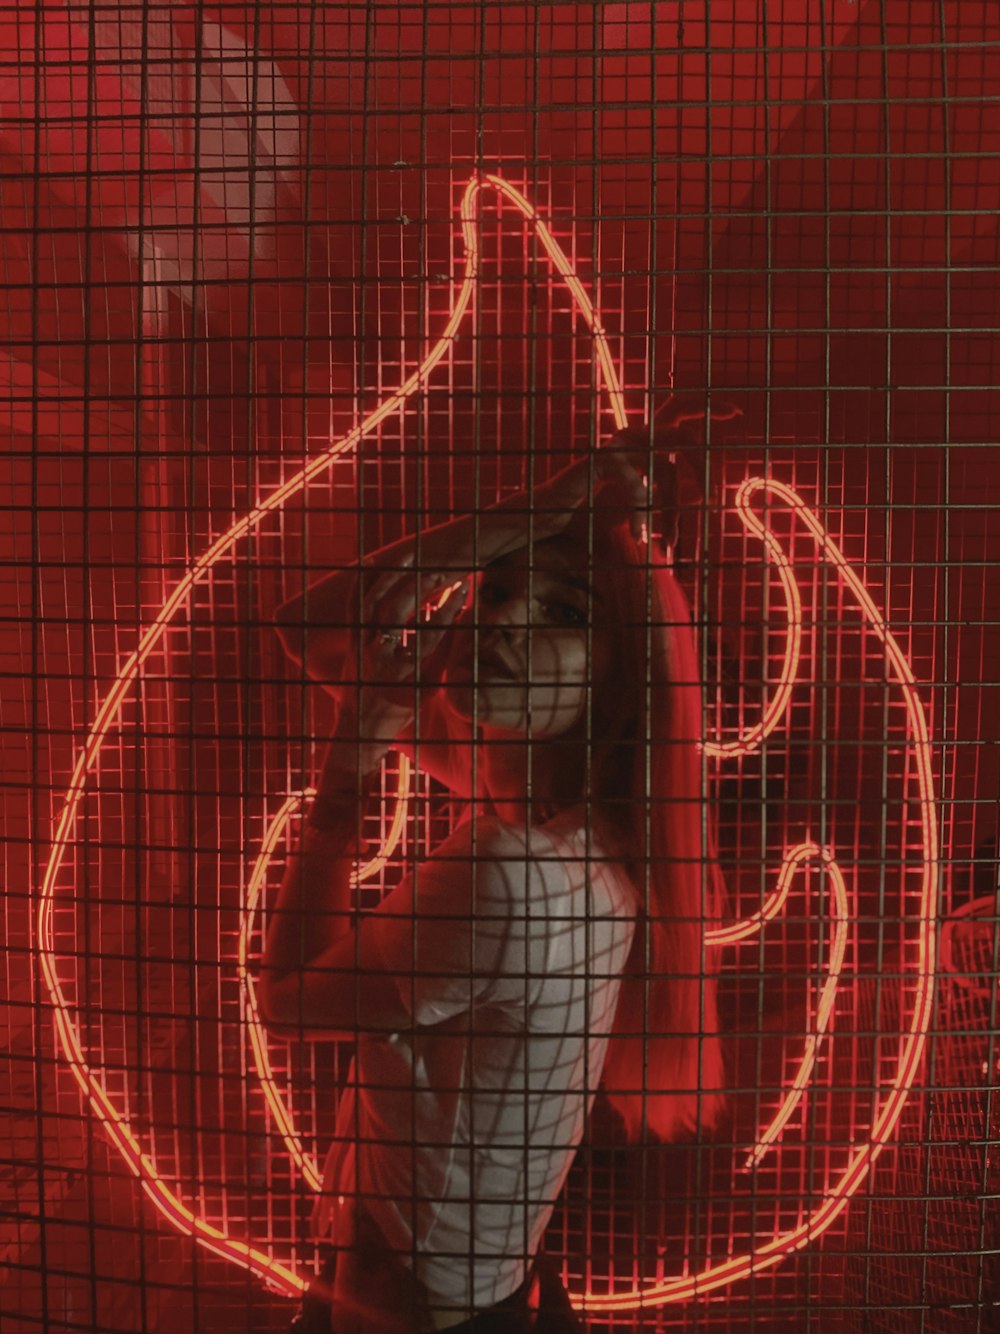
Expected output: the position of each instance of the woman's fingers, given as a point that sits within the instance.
(396, 596)
(622, 470)
(394, 650)
(450, 602)
(431, 632)
(381, 588)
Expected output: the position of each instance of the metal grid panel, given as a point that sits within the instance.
(228, 235)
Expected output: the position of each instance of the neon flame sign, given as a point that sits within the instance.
(245, 1253)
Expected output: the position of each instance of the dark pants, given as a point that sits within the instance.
(540, 1305)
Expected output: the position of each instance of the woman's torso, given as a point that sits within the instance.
(463, 1132)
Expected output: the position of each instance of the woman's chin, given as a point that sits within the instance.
(475, 704)
(502, 707)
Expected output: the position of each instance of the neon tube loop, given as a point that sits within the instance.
(752, 737)
(280, 1112)
(862, 1157)
(278, 1275)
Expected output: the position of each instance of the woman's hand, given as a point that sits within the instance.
(322, 627)
(398, 634)
(616, 475)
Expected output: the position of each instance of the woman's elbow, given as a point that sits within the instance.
(273, 995)
(291, 638)
(310, 644)
(284, 1009)
(321, 654)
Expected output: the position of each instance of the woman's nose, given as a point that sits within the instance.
(508, 619)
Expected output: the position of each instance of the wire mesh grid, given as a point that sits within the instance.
(230, 235)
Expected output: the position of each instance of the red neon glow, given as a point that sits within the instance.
(773, 904)
(827, 997)
(277, 1106)
(67, 1032)
(864, 1155)
(280, 1112)
(740, 931)
(750, 738)
(116, 1125)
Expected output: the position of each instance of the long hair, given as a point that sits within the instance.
(664, 1069)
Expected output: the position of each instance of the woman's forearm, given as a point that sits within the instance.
(314, 907)
(474, 540)
(312, 625)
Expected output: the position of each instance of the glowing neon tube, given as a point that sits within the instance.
(827, 997)
(773, 904)
(280, 1112)
(67, 1032)
(277, 1106)
(740, 931)
(750, 738)
(167, 1201)
(838, 1195)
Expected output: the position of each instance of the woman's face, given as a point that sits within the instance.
(542, 620)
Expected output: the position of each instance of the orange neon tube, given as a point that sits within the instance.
(740, 931)
(838, 1193)
(750, 738)
(824, 1008)
(255, 1258)
(838, 1196)
(115, 1123)
(277, 1107)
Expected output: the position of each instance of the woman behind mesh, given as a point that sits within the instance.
(553, 941)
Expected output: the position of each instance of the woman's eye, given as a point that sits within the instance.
(492, 594)
(568, 613)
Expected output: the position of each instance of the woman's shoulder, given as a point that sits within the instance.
(509, 860)
(488, 835)
(485, 840)
(569, 839)
(597, 860)
(570, 829)
(570, 853)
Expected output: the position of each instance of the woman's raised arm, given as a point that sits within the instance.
(319, 626)
(305, 973)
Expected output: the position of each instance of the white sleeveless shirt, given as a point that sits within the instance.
(456, 1135)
